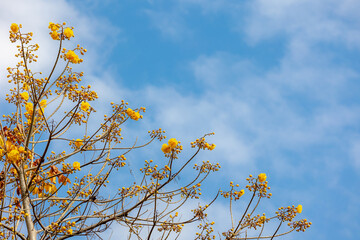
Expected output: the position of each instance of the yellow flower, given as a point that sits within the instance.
(68, 33)
(132, 114)
(29, 107)
(42, 103)
(165, 148)
(24, 96)
(262, 219)
(55, 35)
(53, 26)
(299, 208)
(262, 177)
(14, 156)
(72, 57)
(241, 192)
(129, 111)
(210, 147)
(70, 231)
(135, 116)
(85, 106)
(78, 143)
(14, 28)
(172, 142)
(76, 166)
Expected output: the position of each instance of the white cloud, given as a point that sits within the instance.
(35, 16)
(312, 22)
(191, 117)
(309, 21)
(221, 70)
(256, 116)
(172, 22)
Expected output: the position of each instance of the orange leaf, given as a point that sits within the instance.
(64, 180)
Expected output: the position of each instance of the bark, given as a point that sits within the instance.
(26, 205)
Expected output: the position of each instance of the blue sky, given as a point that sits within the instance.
(276, 80)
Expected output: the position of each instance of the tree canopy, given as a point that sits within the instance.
(46, 192)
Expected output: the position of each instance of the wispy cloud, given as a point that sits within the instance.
(170, 24)
(175, 22)
(96, 33)
(311, 21)
(267, 111)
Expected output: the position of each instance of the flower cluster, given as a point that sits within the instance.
(206, 167)
(200, 143)
(167, 148)
(154, 171)
(24, 37)
(75, 92)
(200, 212)
(165, 226)
(78, 144)
(255, 221)
(54, 26)
(259, 185)
(68, 32)
(170, 226)
(133, 115)
(25, 96)
(10, 214)
(57, 31)
(192, 192)
(10, 146)
(172, 148)
(14, 156)
(66, 229)
(134, 190)
(54, 30)
(288, 213)
(72, 57)
(206, 231)
(301, 225)
(233, 193)
(157, 134)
